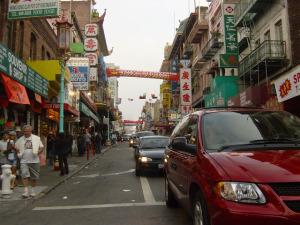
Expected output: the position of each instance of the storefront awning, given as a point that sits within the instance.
(15, 91)
(67, 108)
(85, 110)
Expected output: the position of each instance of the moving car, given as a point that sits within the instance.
(235, 166)
(140, 134)
(131, 138)
(150, 154)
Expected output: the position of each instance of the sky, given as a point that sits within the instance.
(138, 30)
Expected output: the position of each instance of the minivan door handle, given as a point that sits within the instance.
(174, 166)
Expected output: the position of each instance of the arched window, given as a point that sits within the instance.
(32, 54)
(21, 39)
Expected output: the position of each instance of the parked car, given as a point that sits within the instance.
(235, 166)
(150, 154)
(141, 134)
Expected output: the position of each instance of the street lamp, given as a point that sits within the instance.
(63, 41)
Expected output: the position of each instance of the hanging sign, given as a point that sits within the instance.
(90, 44)
(21, 9)
(91, 30)
(93, 57)
(93, 74)
(288, 86)
(230, 34)
(79, 69)
(185, 90)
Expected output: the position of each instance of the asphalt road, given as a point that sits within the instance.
(106, 192)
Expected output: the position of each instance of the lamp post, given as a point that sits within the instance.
(63, 39)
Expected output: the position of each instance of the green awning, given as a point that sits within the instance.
(85, 110)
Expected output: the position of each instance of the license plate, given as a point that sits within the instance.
(160, 166)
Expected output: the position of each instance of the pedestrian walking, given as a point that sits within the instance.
(62, 150)
(98, 142)
(80, 145)
(51, 148)
(11, 155)
(3, 147)
(28, 147)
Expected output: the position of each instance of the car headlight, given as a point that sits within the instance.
(145, 159)
(241, 192)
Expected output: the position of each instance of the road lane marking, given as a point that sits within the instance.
(118, 173)
(70, 207)
(148, 195)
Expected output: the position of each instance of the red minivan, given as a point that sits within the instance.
(235, 166)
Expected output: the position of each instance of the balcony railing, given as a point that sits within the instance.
(269, 50)
(211, 48)
(247, 6)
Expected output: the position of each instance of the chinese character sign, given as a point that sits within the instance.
(231, 42)
(93, 57)
(90, 44)
(185, 89)
(91, 30)
(94, 74)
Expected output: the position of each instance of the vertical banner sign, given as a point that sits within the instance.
(93, 57)
(94, 74)
(91, 30)
(166, 95)
(90, 44)
(23, 9)
(79, 69)
(185, 90)
(230, 59)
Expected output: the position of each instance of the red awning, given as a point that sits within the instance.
(15, 91)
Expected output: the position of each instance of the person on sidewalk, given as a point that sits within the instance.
(98, 142)
(51, 148)
(11, 155)
(28, 147)
(62, 152)
(3, 147)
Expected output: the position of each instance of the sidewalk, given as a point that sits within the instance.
(50, 179)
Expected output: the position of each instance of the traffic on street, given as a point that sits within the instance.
(105, 192)
(149, 112)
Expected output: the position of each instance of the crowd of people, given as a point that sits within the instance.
(24, 151)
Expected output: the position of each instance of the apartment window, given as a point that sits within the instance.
(21, 39)
(267, 36)
(279, 31)
(32, 54)
(43, 53)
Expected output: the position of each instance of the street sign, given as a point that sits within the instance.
(33, 8)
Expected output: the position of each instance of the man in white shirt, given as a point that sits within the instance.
(29, 146)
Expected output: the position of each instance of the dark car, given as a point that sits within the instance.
(141, 134)
(236, 166)
(130, 140)
(150, 154)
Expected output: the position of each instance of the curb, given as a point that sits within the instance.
(48, 190)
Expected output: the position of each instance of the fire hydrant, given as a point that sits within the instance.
(6, 178)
